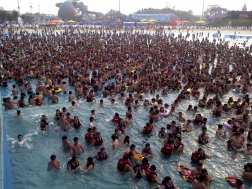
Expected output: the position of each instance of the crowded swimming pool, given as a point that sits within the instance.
(29, 161)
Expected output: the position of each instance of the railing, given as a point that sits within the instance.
(5, 171)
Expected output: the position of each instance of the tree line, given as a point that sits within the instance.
(236, 14)
(8, 15)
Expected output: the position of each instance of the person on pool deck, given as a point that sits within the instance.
(151, 175)
(124, 164)
(167, 149)
(90, 164)
(247, 174)
(146, 151)
(77, 147)
(101, 155)
(73, 164)
(98, 141)
(54, 98)
(168, 184)
(63, 124)
(54, 163)
(237, 141)
(66, 145)
(138, 171)
(178, 146)
(199, 184)
(89, 135)
(147, 129)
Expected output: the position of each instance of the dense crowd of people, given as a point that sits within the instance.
(138, 63)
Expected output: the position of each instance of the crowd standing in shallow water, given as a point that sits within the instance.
(137, 63)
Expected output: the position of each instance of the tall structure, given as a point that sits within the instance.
(203, 9)
(18, 7)
(39, 8)
(166, 5)
(244, 8)
(31, 7)
(119, 6)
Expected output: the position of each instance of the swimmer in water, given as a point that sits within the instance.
(66, 145)
(76, 147)
(54, 163)
(19, 113)
(74, 106)
(90, 164)
(93, 114)
(101, 104)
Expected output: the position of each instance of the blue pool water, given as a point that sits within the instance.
(29, 163)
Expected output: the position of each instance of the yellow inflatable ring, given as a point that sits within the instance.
(57, 91)
(138, 157)
(41, 78)
(189, 90)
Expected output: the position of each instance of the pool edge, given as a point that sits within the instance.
(5, 171)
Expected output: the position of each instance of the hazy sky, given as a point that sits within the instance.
(127, 6)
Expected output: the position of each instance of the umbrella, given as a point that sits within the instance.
(200, 22)
(60, 21)
(152, 20)
(71, 21)
(185, 21)
(54, 21)
(143, 20)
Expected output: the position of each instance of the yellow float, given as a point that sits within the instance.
(57, 91)
(138, 157)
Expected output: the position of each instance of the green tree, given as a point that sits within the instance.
(3, 15)
(14, 15)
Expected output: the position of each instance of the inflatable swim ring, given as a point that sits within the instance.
(41, 78)
(231, 180)
(166, 112)
(57, 91)
(185, 173)
(189, 90)
(227, 125)
(138, 157)
(235, 91)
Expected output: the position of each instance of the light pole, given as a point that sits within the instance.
(203, 9)
(119, 6)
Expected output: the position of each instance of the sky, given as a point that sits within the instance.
(127, 6)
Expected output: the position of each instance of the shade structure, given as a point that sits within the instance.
(71, 21)
(151, 20)
(200, 22)
(54, 21)
(174, 23)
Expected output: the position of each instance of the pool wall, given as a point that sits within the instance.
(5, 171)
